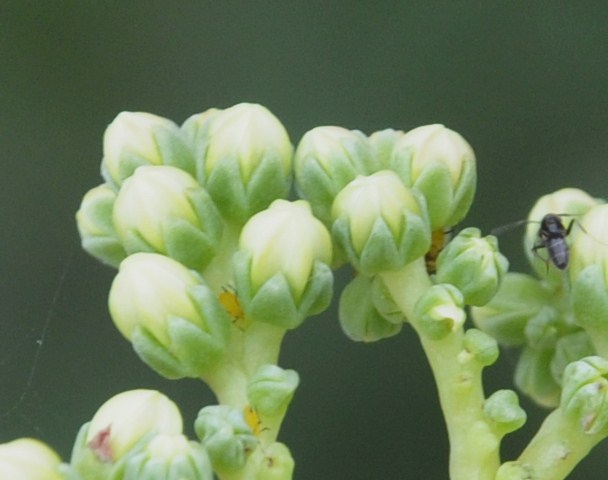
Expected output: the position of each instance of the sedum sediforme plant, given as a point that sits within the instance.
(217, 260)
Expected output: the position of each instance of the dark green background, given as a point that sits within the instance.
(524, 82)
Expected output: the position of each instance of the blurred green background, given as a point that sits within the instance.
(524, 82)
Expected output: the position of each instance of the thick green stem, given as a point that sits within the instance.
(557, 448)
(474, 446)
(259, 345)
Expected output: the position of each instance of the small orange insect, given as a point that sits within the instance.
(439, 239)
(229, 300)
(253, 420)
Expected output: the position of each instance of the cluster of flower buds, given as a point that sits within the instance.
(559, 315)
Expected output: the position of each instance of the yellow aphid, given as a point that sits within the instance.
(253, 420)
(231, 304)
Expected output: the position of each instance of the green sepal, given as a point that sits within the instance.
(544, 328)
(359, 317)
(84, 463)
(273, 302)
(384, 302)
(271, 389)
(502, 408)
(189, 245)
(192, 350)
(533, 376)
(107, 250)
(237, 198)
(172, 151)
(439, 311)
(590, 300)
(585, 394)
(227, 438)
(382, 251)
(383, 144)
(276, 463)
(96, 226)
(138, 465)
(519, 298)
(482, 346)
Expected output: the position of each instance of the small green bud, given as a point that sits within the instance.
(571, 201)
(165, 457)
(248, 160)
(383, 145)
(441, 164)
(28, 459)
(96, 226)
(326, 160)
(585, 393)
(515, 471)
(282, 270)
(481, 347)
(174, 321)
(533, 376)
(569, 348)
(440, 311)
(360, 318)
(271, 389)
(195, 131)
(520, 299)
(503, 409)
(226, 436)
(136, 139)
(380, 224)
(164, 210)
(276, 463)
(473, 265)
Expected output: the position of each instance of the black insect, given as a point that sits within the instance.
(552, 236)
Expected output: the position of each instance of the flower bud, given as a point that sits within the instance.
(164, 210)
(248, 160)
(480, 347)
(569, 201)
(503, 409)
(380, 224)
(473, 265)
(96, 226)
(122, 423)
(440, 311)
(134, 139)
(165, 457)
(590, 246)
(271, 389)
(126, 418)
(585, 393)
(281, 271)
(326, 160)
(226, 436)
(520, 299)
(276, 463)
(359, 317)
(195, 131)
(441, 164)
(175, 322)
(28, 459)
(383, 144)
(533, 376)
